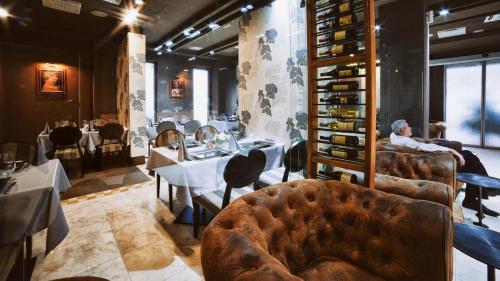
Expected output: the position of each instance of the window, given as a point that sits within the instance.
(492, 105)
(200, 95)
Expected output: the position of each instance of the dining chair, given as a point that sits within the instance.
(294, 162)
(111, 142)
(67, 148)
(192, 126)
(165, 125)
(205, 133)
(240, 172)
(23, 151)
(166, 139)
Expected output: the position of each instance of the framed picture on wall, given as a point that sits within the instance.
(177, 88)
(50, 81)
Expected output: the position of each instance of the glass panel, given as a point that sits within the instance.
(492, 113)
(463, 103)
(200, 95)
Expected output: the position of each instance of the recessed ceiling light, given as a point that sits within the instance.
(249, 7)
(169, 50)
(169, 43)
(244, 9)
(158, 48)
(188, 31)
(492, 18)
(213, 26)
(451, 32)
(99, 14)
(444, 12)
(478, 31)
(194, 34)
(212, 53)
(3, 13)
(186, 70)
(139, 2)
(377, 27)
(130, 16)
(166, 67)
(191, 58)
(159, 53)
(195, 48)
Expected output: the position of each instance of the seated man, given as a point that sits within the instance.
(467, 162)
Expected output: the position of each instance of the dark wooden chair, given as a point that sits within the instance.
(67, 148)
(111, 143)
(165, 125)
(166, 139)
(99, 123)
(205, 133)
(23, 151)
(294, 161)
(191, 127)
(240, 172)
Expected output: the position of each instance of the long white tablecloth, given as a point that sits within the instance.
(197, 177)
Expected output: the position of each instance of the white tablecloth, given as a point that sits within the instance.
(224, 126)
(197, 177)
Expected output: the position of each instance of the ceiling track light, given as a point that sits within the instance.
(444, 12)
(3, 13)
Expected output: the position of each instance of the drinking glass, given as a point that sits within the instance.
(8, 162)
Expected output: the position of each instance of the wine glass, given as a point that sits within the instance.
(175, 144)
(8, 162)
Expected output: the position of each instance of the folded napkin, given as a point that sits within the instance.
(85, 128)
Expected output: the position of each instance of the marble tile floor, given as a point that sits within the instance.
(129, 234)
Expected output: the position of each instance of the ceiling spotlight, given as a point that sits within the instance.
(188, 31)
(244, 9)
(3, 13)
(213, 26)
(194, 34)
(444, 12)
(191, 58)
(130, 16)
(249, 7)
(166, 67)
(139, 2)
(158, 48)
(186, 70)
(351, 55)
(377, 27)
(169, 50)
(169, 43)
(212, 53)
(159, 53)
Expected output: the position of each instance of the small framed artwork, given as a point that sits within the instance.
(177, 88)
(51, 82)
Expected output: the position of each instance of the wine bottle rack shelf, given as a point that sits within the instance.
(355, 51)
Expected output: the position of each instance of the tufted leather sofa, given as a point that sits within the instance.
(386, 145)
(328, 230)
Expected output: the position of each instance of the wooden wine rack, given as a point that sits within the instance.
(366, 57)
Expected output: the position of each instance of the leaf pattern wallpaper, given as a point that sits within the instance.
(272, 73)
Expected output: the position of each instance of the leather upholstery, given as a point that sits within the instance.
(386, 145)
(328, 230)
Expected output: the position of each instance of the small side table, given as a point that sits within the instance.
(480, 181)
(479, 243)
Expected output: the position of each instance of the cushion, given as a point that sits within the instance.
(70, 153)
(276, 176)
(215, 198)
(111, 147)
(334, 269)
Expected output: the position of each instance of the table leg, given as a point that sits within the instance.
(480, 214)
(491, 273)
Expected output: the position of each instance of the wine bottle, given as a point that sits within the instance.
(339, 100)
(342, 49)
(341, 112)
(337, 10)
(342, 72)
(348, 154)
(339, 36)
(346, 126)
(342, 140)
(340, 176)
(340, 86)
(340, 22)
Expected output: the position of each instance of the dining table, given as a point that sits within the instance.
(32, 203)
(224, 126)
(201, 176)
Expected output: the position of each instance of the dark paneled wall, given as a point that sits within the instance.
(228, 89)
(169, 66)
(403, 55)
(90, 82)
(436, 93)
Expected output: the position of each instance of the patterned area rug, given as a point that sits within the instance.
(106, 180)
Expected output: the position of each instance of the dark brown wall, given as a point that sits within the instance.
(90, 82)
(436, 93)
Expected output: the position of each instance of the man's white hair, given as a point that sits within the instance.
(398, 125)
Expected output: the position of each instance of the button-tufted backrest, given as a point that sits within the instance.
(280, 231)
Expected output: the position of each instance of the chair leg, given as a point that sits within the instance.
(170, 198)
(196, 219)
(157, 185)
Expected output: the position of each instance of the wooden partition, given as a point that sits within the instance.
(342, 97)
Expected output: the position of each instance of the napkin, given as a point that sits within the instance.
(85, 128)
(46, 130)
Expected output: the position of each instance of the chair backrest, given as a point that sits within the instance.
(168, 137)
(206, 132)
(296, 157)
(111, 131)
(191, 127)
(65, 136)
(242, 171)
(23, 151)
(65, 123)
(171, 119)
(165, 125)
(100, 122)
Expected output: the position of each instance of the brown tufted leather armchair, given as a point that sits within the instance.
(328, 230)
